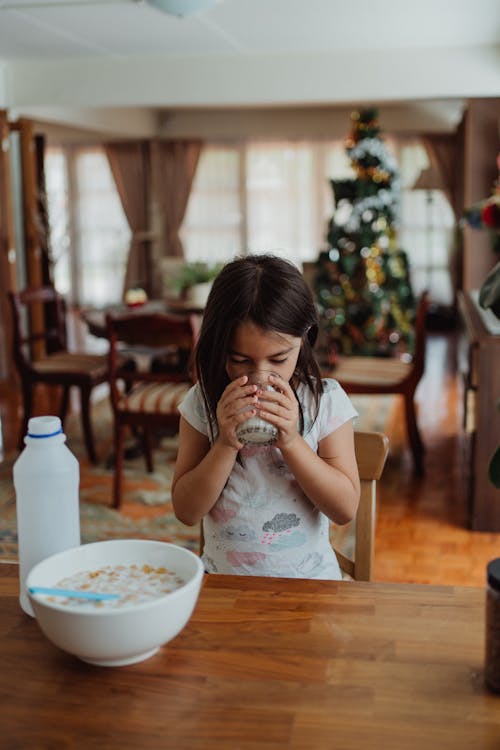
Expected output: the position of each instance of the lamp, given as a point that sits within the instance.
(429, 179)
(182, 7)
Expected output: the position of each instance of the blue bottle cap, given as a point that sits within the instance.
(43, 427)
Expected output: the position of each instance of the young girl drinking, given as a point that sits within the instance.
(265, 508)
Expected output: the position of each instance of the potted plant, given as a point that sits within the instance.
(193, 281)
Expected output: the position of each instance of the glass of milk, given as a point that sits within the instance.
(255, 430)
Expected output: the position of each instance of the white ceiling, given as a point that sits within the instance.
(69, 55)
(72, 29)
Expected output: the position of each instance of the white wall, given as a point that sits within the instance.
(3, 86)
(303, 79)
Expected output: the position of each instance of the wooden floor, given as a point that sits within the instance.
(422, 533)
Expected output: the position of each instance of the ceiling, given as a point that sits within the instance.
(80, 55)
(72, 29)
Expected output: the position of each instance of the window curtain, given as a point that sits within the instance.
(446, 152)
(129, 163)
(173, 168)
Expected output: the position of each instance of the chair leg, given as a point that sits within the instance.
(416, 444)
(27, 409)
(147, 441)
(117, 476)
(87, 427)
(63, 409)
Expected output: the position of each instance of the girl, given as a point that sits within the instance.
(265, 509)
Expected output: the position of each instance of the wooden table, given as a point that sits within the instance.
(95, 319)
(265, 664)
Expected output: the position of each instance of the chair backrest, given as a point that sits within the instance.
(39, 324)
(420, 336)
(371, 453)
(170, 336)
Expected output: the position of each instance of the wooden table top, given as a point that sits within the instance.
(265, 664)
(96, 318)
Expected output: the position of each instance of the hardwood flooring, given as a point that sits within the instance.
(422, 533)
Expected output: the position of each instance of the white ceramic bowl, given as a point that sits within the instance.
(114, 637)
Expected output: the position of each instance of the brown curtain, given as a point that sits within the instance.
(173, 165)
(42, 217)
(129, 162)
(446, 153)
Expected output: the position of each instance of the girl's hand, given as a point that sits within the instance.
(237, 403)
(280, 408)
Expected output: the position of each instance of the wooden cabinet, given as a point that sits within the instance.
(482, 419)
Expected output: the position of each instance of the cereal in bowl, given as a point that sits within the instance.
(136, 584)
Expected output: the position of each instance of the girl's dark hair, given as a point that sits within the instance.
(271, 293)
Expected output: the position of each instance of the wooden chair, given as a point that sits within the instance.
(41, 356)
(378, 375)
(371, 453)
(147, 399)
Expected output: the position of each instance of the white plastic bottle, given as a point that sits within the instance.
(46, 480)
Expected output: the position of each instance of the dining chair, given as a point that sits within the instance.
(379, 375)
(41, 355)
(145, 397)
(355, 544)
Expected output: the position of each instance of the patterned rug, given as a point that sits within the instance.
(146, 510)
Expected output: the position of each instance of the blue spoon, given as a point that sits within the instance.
(90, 595)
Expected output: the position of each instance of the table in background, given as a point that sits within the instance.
(265, 664)
(95, 319)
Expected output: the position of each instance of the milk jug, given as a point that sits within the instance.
(46, 481)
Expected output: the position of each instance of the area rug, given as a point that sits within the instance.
(146, 510)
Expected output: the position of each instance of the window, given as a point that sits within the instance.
(260, 197)
(212, 227)
(427, 232)
(57, 189)
(426, 228)
(256, 196)
(89, 233)
(281, 197)
(276, 197)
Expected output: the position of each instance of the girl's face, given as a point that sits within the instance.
(256, 349)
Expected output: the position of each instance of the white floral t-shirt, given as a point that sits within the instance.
(263, 524)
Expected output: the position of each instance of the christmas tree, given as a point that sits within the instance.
(362, 280)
